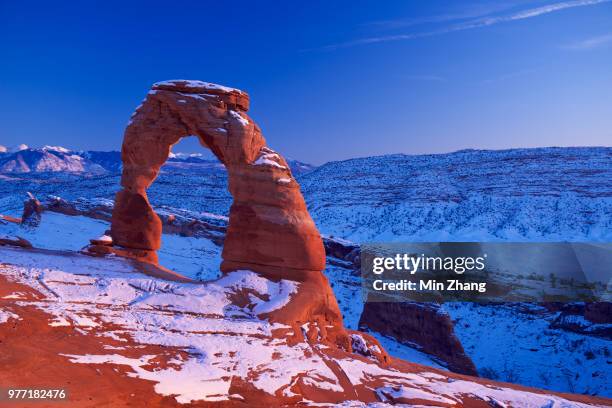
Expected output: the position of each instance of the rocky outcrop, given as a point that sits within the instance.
(31, 215)
(15, 241)
(32, 212)
(593, 319)
(344, 254)
(424, 325)
(5, 219)
(270, 230)
(100, 209)
(598, 312)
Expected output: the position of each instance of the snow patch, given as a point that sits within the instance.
(6, 315)
(187, 83)
(243, 121)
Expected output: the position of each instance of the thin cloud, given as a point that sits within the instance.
(471, 12)
(443, 18)
(477, 23)
(538, 11)
(590, 43)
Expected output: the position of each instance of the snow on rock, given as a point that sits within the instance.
(279, 293)
(170, 314)
(439, 390)
(360, 345)
(56, 149)
(243, 121)
(6, 315)
(191, 383)
(211, 339)
(18, 148)
(105, 238)
(401, 393)
(194, 84)
(268, 157)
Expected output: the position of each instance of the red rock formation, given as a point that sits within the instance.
(270, 230)
(5, 219)
(15, 241)
(269, 224)
(32, 211)
(31, 216)
(422, 324)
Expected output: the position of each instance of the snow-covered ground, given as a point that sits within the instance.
(546, 194)
(209, 341)
(168, 314)
(504, 343)
(195, 258)
(516, 343)
(516, 195)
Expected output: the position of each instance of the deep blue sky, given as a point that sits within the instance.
(328, 79)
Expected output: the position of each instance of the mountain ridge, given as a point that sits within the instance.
(516, 194)
(25, 159)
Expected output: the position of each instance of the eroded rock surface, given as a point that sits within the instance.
(32, 211)
(422, 324)
(270, 230)
(269, 223)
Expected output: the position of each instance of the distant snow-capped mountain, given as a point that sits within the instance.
(46, 159)
(24, 159)
(4, 149)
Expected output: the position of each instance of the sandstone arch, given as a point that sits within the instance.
(270, 230)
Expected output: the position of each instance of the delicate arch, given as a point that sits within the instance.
(270, 229)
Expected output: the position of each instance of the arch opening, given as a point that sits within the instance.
(191, 197)
(192, 179)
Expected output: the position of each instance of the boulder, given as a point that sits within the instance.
(104, 240)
